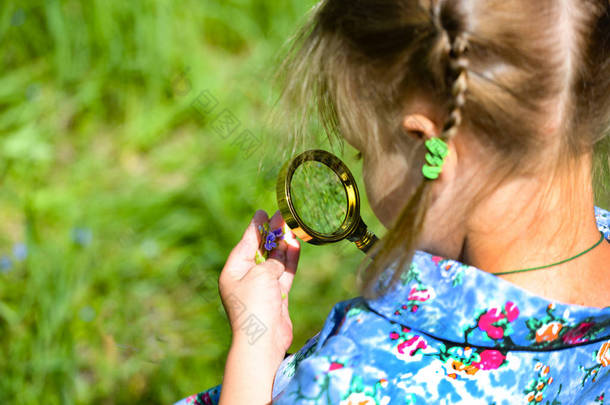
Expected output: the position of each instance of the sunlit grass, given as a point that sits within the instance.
(128, 200)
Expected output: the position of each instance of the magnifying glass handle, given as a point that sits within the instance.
(367, 241)
(362, 237)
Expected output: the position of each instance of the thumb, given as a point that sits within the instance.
(241, 258)
(277, 260)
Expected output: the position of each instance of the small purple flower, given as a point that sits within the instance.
(20, 251)
(271, 237)
(5, 264)
(82, 236)
(87, 314)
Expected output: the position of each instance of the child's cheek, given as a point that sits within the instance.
(387, 186)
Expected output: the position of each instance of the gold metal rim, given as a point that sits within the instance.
(298, 227)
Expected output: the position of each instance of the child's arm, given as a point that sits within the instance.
(255, 298)
(249, 373)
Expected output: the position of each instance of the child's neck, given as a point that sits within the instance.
(517, 234)
(581, 281)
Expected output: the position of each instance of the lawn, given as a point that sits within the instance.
(133, 153)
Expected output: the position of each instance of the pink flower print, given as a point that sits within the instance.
(487, 319)
(437, 259)
(577, 334)
(410, 346)
(490, 360)
(205, 399)
(495, 322)
(334, 366)
(415, 295)
(511, 310)
(394, 335)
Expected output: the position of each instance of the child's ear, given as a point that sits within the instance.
(419, 126)
(422, 127)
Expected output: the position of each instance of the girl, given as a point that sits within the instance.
(483, 126)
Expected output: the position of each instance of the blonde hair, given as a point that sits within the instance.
(496, 67)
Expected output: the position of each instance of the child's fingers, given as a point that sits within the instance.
(276, 221)
(251, 238)
(293, 251)
(241, 258)
(279, 251)
(293, 248)
(272, 266)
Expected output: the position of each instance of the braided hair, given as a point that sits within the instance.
(458, 76)
(454, 47)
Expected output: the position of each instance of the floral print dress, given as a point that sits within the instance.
(450, 333)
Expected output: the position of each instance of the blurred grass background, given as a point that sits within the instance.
(121, 197)
(120, 201)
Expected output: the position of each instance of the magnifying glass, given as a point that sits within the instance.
(319, 201)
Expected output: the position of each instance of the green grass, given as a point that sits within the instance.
(129, 200)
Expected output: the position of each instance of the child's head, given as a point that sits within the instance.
(517, 88)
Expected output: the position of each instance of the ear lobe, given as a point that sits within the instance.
(419, 127)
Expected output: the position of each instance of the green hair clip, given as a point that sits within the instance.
(438, 150)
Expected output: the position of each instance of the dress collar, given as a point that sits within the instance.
(456, 302)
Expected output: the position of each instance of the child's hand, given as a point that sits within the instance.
(252, 294)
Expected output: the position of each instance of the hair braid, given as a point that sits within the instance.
(413, 215)
(458, 82)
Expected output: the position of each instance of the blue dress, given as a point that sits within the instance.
(450, 333)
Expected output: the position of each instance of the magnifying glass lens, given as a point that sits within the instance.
(319, 197)
(319, 200)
